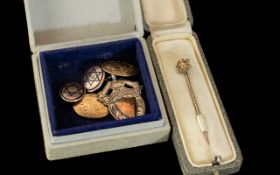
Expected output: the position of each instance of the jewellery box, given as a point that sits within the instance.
(66, 38)
(172, 38)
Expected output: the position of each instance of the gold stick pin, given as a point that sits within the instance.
(183, 67)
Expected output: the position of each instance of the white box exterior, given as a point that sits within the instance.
(96, 144)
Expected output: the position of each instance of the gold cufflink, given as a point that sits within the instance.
(90, 107)
(93, 78)
(72, 92)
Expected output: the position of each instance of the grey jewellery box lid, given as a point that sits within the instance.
(186, 166)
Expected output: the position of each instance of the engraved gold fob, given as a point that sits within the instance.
(124, 101)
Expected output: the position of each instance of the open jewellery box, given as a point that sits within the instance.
(66, 38)
(172, 38)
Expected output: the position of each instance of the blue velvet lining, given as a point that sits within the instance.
(68, 65)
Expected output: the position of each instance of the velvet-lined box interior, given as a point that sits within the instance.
(69, 65)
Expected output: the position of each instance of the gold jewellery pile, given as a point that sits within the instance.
(121, 98)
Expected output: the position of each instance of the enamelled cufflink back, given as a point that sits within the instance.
(72, 92)
(93, 78)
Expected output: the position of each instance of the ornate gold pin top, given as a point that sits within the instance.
(183, 66)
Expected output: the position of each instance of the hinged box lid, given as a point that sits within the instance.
(167, 17)
(61, 22)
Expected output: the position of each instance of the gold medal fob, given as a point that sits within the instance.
(125, 100)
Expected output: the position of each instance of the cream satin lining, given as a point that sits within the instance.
(163, 13)
(169, 49)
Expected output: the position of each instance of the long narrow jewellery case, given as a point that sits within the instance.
(201, 132)
(96, 86)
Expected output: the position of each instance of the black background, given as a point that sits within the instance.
(219, 25)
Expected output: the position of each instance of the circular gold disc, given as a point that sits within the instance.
(90, 107)
(72, 92)
(119, 68)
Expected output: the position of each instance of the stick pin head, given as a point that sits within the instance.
(183, 65)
